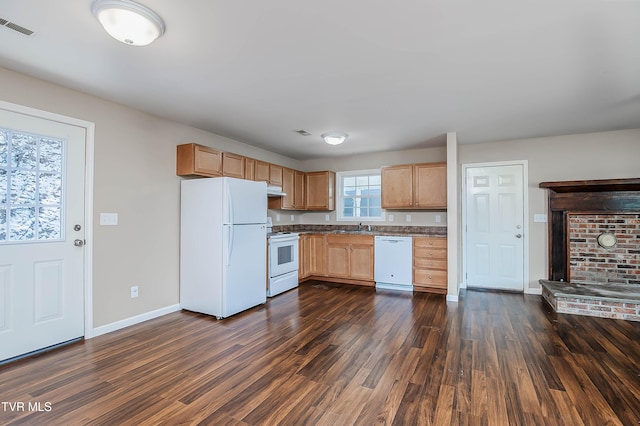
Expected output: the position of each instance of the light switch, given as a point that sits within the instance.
(542, 218)
(108, 219)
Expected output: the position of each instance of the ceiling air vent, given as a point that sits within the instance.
(15, 27)
(302, 132)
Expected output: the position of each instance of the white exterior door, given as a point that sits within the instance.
(42, 175)
(494, 227)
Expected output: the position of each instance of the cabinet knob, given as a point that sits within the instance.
(430, 277)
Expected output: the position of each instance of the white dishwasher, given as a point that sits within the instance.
(393, 263)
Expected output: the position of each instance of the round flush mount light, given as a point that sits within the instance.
(334, 138)
(128, 21)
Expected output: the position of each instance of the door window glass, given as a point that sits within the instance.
(31, 187)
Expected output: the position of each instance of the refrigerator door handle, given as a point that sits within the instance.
(229, 244)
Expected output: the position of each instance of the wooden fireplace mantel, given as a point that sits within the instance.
(602, 185)
(609, 196)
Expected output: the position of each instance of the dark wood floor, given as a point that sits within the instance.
(339, 355)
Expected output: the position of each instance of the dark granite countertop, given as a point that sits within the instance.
(376, 230)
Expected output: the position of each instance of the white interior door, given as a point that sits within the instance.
(494, 228)
(42, 175)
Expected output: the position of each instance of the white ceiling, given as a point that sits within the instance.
(394, 75)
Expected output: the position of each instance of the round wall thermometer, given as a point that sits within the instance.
(607, 240)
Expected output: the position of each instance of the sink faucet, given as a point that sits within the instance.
(360, 226)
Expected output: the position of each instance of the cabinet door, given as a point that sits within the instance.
(397, 187)
(288, 187)
(430, 185)
(320, 190)
(318, 263)
(232, 165)
(249, 168)
(298, 190)
(338, 260)
(275, 175)
(361, 262)
(261, 173)
(198, 160)
(304, 256)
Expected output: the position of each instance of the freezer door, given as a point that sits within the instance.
(245, 260)
(245, 201)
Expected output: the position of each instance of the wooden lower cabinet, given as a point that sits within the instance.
(350, 257)
(430, 264)
(311, 255)
(340, 258)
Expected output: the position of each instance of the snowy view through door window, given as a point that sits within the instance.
(30, 187)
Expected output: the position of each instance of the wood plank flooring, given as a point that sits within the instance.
(333, 354)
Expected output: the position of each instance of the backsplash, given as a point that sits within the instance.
(593, 264)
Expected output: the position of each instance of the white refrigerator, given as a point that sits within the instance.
(222, 245)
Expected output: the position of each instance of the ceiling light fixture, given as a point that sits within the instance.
(334, 138)
(128, 22)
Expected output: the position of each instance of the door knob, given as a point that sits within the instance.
(518, 235)
(78, 243)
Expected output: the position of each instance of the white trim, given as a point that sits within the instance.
(535, 291)
(525, 214)
(453, 298)
(88, 197)
(128, 322)
(340, 200)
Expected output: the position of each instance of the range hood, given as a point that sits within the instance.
(275, 191)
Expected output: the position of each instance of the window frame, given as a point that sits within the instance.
(340, 199)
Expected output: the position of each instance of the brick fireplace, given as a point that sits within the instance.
(591, 263)
(594, 248)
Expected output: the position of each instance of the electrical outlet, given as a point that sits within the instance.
(277, 218)
(134, 291)
(292, 218)
(327, 218)
(438, 218)
(390, 218)
(407, 218)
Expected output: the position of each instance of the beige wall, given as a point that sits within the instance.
(607, 155)
(366, 162)
(134, 177)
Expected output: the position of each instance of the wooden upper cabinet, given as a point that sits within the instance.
(262, 170)
(275, 175)
(249, 168)
(430, 181)
(198, 160)
(397, 186)
(233, 165)
(298, 190)
(293, 187)
(288, 187)
(320, 190)
(415, 186)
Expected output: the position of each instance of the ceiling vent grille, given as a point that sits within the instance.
(15, 27)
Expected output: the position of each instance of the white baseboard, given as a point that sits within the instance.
(537, 291)
(452, 298)
(118, 325)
